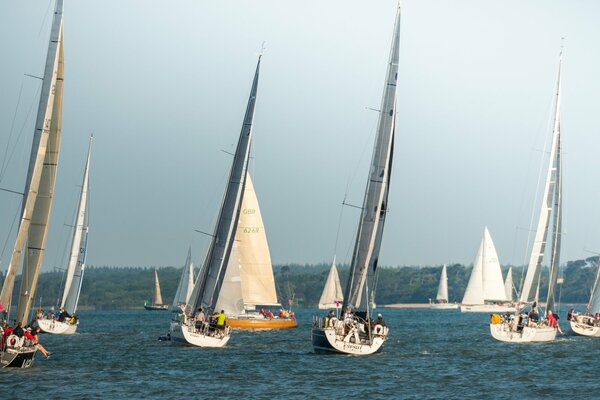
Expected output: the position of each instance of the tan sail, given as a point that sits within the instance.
(41, 176)
(157, 296)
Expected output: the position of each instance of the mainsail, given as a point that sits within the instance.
(485, 283)
(552, 201)
(442, 293)
(78, 246)
(157, 296)
(186, 283)
(332, 295)
(208, 285)
(364, 265)
(41, 177)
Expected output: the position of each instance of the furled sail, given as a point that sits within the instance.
(39, 187)
(157, 296)
(332, 295)
(551, 201)
(186, 283)
(508, 285)
(78, 246)
(442, 293)
(208, 285)
(365, 257)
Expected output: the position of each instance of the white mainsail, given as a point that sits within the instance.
(594, 304)
(332, 295)
(76, 266)
(508, 285)
(364, 266)
(41, 177)
(157, 295)
(208, 285)
(186, 283)
(442, 293)
(552, 201)
(485, 283)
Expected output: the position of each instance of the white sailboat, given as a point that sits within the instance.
(356, 333)
(249, 283)
(157, 300)
(209, 284)
(332, 296)
(37, 199)
(67, 321)
(441, 299)
(186, 284)
(485, 290)
(541, 331)
(588, 323)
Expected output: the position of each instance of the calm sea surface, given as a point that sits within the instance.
(430, 354)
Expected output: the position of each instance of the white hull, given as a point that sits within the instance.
(186, 334)
(56, 327)
(487, 308)
(326, 340)
(584, 329)
(444, 306)
(503, 333)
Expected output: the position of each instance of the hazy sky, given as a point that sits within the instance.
(164, 84)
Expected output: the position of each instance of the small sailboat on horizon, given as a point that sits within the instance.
(157, 300)
(441, 299)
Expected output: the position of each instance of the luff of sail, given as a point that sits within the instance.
(370, 230)
(38, 191)
(75, 270)
(332, 295)
(442, 293)
(213, 270)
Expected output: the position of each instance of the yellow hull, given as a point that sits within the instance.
(265, 323)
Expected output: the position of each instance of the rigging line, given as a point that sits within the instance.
(9, 232)
(10, 134)
(11, 191)
(45, 17)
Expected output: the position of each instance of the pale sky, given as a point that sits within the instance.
(164, 84)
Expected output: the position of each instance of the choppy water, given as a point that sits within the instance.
(430, 354)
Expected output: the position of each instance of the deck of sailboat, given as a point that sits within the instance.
(242, 322)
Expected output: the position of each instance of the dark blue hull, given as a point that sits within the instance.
(17, 359)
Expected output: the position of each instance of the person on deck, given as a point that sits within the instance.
(379, 320)
(270, 314)
(220, 317)
(19, 331)
(281, 314)
(35, 334)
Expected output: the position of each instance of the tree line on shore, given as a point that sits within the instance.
(108, 288)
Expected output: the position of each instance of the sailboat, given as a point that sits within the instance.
(67, 322)
(249, 283)
(37, 199)
(207, 289)
(588, 323)
(441, 300)
(356, 333)
(485, 290)
(157, 301)
(186, 284)
(516, 330)
(332, 296)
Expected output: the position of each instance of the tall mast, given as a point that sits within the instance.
(39, 186)
(208, 285)
(370, 229)
(552, 190)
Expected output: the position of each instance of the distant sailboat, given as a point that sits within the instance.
(508, 285)
(332, 296)
(37, 199)
(441, 299)
(588, 323)
(157, 301)
(485, 290)
(210, 281)
(67, 322)
(249, 282)
(515, 331)
(357, 333)
(186, 284)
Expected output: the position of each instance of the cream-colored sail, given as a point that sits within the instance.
(256, 271)
(157, 295)
(332, 295)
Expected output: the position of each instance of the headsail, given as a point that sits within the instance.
(186, 283)
(332, 295)
(39, 187)
(442, 293)
(370, 230)
(208, 285)
(78, 246)
(508, 285)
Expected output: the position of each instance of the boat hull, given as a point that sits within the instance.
(584, 329)
(156, 307)
(325, 340)
(261, 323)
(444, 306)
(17, 358)
(56, 327)
(186, 334)
(503, 333)
(487, 308)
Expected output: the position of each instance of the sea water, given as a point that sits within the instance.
(429, 354)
